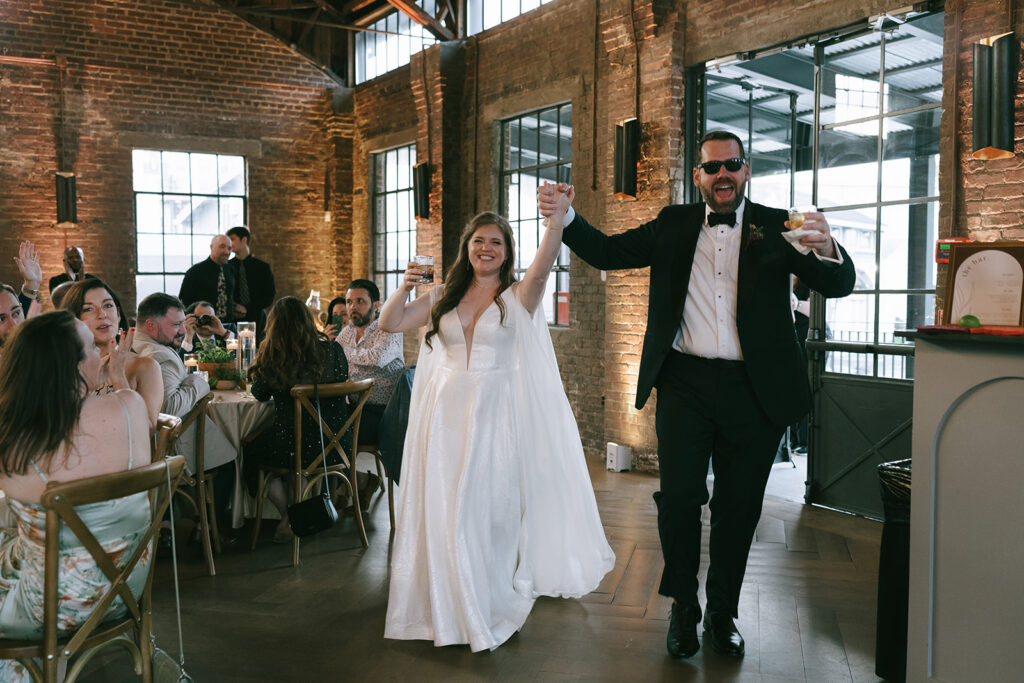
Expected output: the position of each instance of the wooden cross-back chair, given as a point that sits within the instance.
(132, 631)
(163, 437)
(200, 481)
(313, 474)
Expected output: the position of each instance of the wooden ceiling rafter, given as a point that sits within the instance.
(424, 19)
(321, 30)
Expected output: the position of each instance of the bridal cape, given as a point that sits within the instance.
(496, 506)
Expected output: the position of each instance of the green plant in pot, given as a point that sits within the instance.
(226, 378)
(213, 357)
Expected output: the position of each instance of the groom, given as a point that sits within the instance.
(720, 347)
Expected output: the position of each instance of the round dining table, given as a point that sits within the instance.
(238, 414)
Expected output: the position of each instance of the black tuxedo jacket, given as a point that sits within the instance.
(200, 284)
(260, 279)
(764, 315)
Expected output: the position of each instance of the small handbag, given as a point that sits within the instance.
(314, 514)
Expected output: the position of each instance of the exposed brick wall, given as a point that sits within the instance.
(192, 71)
(182, 73)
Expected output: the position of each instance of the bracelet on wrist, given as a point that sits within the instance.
(29, 292)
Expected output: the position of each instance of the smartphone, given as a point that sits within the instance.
(338, 321)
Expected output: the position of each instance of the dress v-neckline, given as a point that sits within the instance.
(462, 330)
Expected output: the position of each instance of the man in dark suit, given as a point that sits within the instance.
(74, 268)
(254, 281)
(721, 350)
(211, 280)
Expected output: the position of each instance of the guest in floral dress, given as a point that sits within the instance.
(52, 428)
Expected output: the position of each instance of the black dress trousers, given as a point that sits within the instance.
(707, 410)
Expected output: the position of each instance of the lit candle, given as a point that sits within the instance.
(232, 345)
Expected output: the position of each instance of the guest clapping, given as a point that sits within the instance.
(95, 304)
(53, 428)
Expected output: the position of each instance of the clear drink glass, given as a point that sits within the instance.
(797, 215)
(246, 346)
(427, 264)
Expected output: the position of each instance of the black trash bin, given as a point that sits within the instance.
(893, 572)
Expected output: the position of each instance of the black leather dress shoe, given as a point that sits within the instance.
(682, 631)
(725, 637)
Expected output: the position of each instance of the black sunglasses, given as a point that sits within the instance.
(713, 167)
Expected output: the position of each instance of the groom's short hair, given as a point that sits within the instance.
(719, 135)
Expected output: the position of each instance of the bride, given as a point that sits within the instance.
(496, 506)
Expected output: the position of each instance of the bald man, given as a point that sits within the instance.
(209, 280)
(74, 268)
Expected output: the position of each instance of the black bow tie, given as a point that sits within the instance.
(721, 218)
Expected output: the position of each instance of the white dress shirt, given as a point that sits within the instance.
(708, 327)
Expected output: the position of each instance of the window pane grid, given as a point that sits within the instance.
(390, 42)
(536, 147)
(182, 199)
(484, 14)
(394, 226)
(875, 175)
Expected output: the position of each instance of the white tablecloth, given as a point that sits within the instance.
(238, 414)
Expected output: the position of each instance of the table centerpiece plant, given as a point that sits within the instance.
(220, 364)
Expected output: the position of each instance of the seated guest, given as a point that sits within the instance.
(293, 352)
(92, 302)
(57, 294)
(74, 269)
(372, 353)
(337, 317)
(158, 334)
(52, 428)
(11, 313)
(205, 326)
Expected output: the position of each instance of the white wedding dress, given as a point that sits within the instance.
(495, 505)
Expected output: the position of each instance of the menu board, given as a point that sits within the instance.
(986, 280)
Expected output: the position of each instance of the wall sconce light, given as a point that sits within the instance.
(627, 154)
(421, 190)
(995, 70)
(67, 211)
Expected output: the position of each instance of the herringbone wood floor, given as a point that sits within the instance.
(807, 611)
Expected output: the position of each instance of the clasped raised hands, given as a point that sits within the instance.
(553, 202)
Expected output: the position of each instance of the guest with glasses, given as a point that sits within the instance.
(721, 349)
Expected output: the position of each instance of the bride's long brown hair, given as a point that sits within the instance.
(460, 275)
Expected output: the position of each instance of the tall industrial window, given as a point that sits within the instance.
(536, 147)
(390, 42)
(182, 200)
(394, 225)
(483, 14)
(872, 166)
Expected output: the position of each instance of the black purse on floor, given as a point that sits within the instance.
(317, 513)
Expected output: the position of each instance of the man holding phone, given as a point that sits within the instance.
(202, 324)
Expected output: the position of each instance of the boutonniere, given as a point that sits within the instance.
(756, 235)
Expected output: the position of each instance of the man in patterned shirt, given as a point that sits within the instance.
(371, 353)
